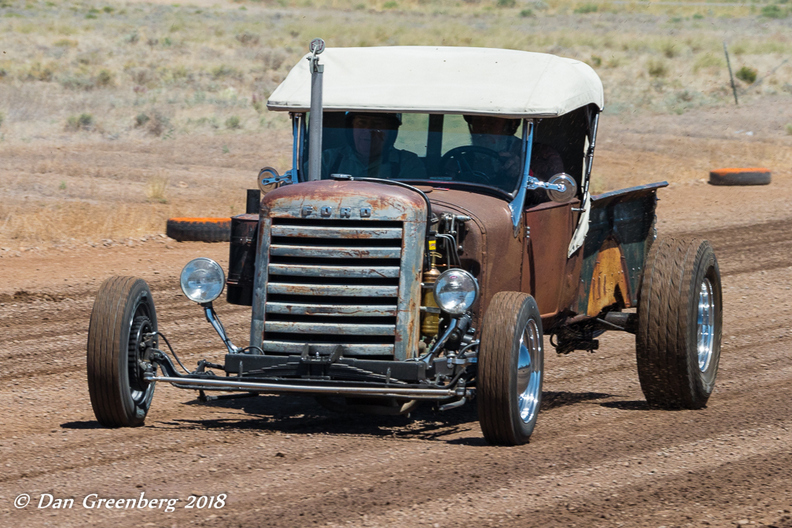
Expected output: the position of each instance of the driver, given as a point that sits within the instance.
(497, 134)
(369, 151)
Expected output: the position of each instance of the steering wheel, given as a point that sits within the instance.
(461, 162)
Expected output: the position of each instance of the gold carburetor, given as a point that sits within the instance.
(430, 324)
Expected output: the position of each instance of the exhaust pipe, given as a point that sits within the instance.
(316, 47)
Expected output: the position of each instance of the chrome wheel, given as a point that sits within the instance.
(140, 326)
(529, 372)
(705, 325)
(510, 369)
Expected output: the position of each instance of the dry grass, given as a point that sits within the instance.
(157, 77)
(94, 191)
(156, 188)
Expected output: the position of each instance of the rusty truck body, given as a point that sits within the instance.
(430, 267)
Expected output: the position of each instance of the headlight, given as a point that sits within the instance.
(202, 280)
(455, 291)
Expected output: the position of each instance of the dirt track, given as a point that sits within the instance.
(599, 456)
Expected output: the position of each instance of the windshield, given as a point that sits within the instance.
(479, 150)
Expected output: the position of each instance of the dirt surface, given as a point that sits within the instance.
(599, 456)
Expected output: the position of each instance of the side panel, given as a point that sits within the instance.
(621, 230)
(546, 269)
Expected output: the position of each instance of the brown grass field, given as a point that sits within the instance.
(115, 116)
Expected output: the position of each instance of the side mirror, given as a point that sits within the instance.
(269, 176)
(562, 188)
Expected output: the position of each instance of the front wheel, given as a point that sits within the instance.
(123, 315)
(510, 369)
(680, 316)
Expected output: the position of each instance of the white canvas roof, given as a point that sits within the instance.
(443, 80)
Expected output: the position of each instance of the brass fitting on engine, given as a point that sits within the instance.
(430, 323)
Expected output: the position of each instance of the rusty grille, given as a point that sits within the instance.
(333, 282)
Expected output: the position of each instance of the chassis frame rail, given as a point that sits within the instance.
(206, 381)
(199, 383)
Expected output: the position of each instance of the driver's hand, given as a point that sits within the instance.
(510, 163)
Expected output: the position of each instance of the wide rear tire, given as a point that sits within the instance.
(680, 317)
(123, 313)
(510, 369)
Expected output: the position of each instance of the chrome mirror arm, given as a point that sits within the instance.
(534, 183)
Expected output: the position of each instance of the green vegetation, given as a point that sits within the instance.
(141, 119)
(774, 11)
(586, 8)
(80, 122)
(657, 68)
(670, 49)
(104, 78)
(174, 69)
(747, 74)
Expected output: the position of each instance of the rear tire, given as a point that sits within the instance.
(510, 369)
(680, 318)
(122, 314)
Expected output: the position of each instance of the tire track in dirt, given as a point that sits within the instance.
(44, 333)
(630, 477)
(287, 462)
(757, 247)
(443, 489)
(416, 463)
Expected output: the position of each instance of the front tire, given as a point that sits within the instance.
(510, 369)
(680, 318)
(123, 313)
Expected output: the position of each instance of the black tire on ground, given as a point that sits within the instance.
(122, 313)
(753, 176)
(680, 318)
(199, 229)
(510, 369)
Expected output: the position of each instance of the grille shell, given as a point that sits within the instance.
(327, 280)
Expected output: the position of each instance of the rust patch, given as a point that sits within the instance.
(609, 280)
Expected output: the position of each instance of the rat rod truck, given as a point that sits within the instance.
(419, 250)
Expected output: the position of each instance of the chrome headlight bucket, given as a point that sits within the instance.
(455, 291)
(202, 280)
